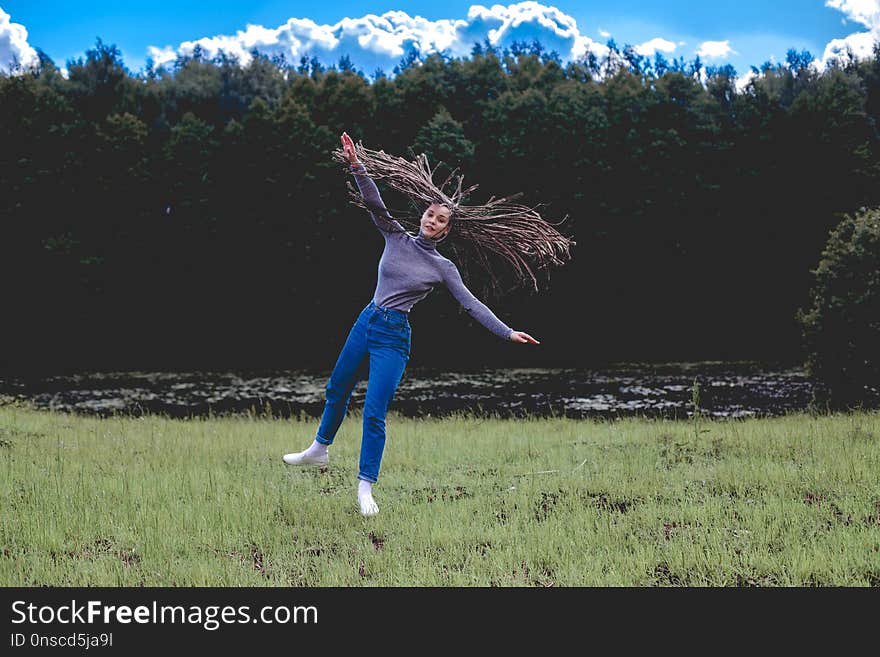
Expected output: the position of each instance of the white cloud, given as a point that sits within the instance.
(390, 35)
(583, 45)
(713, 49)
(743, 80)
(161, 56)
(650, 47)
(861, 44)
(380, 41)
(521, 20)
(13, 44)
(865, 12)
(604, 33)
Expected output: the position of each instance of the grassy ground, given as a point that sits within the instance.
(464, 501)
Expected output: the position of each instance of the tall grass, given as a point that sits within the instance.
(464, 501)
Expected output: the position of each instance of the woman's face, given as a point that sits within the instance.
(435, 221)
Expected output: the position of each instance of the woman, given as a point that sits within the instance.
(379, 341)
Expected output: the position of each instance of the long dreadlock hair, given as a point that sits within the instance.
(499, 229)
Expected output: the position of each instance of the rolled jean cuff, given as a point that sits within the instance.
(364, 477)
(323, 441)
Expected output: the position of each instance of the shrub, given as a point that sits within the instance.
(841, 329)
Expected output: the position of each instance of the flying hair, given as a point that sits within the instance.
(499, 228)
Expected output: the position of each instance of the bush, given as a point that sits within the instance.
(841, 329)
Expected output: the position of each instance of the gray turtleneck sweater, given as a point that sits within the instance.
(410, 266)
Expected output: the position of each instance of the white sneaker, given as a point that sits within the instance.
(304, 458)
(368, 505)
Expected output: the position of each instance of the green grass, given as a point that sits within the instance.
(464, 501)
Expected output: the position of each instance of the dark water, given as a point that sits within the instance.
(725, 390)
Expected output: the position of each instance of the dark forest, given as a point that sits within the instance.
(193, 217)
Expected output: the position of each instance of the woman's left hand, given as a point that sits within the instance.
(519, 336)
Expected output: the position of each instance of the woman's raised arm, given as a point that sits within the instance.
(381, 217)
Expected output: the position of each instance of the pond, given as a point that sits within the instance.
(738, 389)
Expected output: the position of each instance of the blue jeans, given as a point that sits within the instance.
(379, 342)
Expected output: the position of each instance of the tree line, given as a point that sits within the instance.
(192, 216)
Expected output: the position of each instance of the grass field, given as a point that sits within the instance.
(464, 501)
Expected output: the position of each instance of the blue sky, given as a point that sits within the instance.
(741, 32)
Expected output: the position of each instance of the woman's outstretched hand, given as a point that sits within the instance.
(519, 336)
(348, 147)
